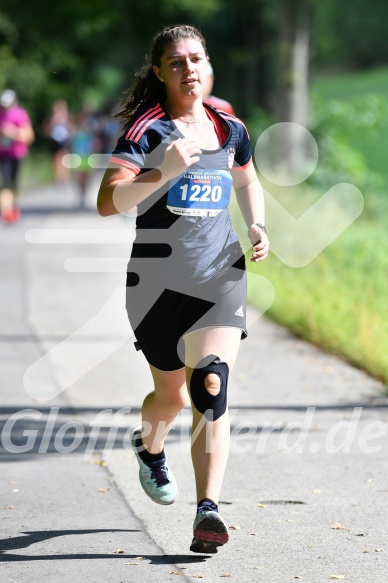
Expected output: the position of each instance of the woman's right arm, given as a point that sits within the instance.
(121, 189)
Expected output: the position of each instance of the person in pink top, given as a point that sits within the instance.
(16, 135)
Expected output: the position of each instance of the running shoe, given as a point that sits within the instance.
(210, 532)
(156, 479)
(11, 215)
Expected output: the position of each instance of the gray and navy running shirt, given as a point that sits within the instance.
(183, 230)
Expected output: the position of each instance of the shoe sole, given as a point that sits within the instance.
(209, 534)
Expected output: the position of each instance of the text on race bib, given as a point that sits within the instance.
(200, 193)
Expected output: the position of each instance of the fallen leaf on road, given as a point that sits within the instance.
(103, 489)
(337, 576)
(119, 551)
(176, 573)
(338, 526)
(198, 576)
(226, 575)
(10, 507)
(132, 563)
(253, 533)
(234, 527)
(262, 505)
(259, 568)
(98, 463)
(298, 577)
(366, 551)
(317, 491)
(141, 559)
(290, 520)
(379, 550)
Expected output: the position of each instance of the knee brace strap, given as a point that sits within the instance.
(202, 399)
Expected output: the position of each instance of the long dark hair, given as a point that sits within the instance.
(146, 87)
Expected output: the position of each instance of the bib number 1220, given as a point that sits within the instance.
(203, 193)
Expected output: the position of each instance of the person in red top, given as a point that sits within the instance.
(210, 99)
(16, 134)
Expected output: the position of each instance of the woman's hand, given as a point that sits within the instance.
(9, 130)
(260, 243)
(23, 134)
(179, 156)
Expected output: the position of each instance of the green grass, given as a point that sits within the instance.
(339, 301)
(348, 86)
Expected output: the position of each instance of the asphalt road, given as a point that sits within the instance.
(306, 489)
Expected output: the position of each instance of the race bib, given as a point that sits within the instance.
(198, 192)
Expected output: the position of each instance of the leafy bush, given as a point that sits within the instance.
(339, 127)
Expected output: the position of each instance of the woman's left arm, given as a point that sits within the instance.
(250, 199)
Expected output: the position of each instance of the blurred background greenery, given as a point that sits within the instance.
(321, 64)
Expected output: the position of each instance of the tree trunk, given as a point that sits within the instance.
(293, 90)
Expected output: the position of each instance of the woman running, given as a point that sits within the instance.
(177, 161)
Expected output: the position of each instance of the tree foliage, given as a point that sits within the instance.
(90, 49)
(351, 33)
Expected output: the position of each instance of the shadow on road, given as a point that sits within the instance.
(29, 538)
(26, 432)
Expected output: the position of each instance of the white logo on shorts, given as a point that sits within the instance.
(240, 312)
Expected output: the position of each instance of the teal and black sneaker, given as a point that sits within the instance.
(210, 532)
(156, 479)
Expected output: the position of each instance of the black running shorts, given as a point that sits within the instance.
(161, 317)
(9, 169)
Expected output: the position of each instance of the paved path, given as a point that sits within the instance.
(306, 489)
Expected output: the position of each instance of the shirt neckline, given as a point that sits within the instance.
(207, 108)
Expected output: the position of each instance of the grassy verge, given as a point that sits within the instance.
(349, 88)
(339, 300)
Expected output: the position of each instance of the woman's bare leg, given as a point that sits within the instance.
(210, 439)
(161, 407)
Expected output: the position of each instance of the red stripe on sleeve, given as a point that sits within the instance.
(148, 114)
(245, 165)
(125, 163)
(145, 126)
(232, 118)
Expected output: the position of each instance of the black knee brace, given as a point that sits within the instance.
(202, 399)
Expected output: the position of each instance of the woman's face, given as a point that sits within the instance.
(183, 69)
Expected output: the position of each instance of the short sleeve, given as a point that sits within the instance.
(129, 154)
(243, 154)
(139, 155)
(19, 117)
